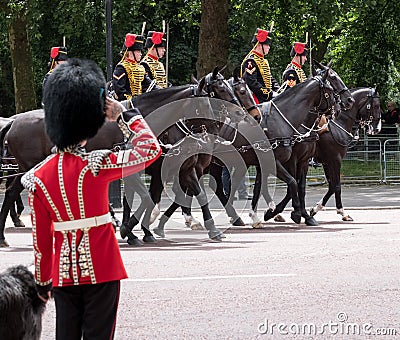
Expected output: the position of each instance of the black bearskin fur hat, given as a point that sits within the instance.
(74, 102)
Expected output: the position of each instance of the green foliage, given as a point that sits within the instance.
(358, 36)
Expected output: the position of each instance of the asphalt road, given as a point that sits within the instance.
(285, 281)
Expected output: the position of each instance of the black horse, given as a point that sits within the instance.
(183, 197)
(332, 145)
(28, 143)
(134, 183)
(304, 149)
(280, 123)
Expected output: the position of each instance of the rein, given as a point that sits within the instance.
(323, 94)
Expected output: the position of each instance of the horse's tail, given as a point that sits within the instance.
(3, 133)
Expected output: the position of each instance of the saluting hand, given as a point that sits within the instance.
(113, 109)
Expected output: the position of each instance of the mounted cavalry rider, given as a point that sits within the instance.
(255, 68)
(156, 44)
(294, 73)
(58, 56)
(129, 77)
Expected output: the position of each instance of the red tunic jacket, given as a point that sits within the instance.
(72, 185)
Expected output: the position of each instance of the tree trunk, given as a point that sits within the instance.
(213, 37)
(21, 57)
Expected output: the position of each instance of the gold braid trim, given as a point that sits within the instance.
(300, 73)
(157, 70)
(265, 71)
(135, 73)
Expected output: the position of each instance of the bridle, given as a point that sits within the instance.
(234, 83)
(338, 93)
(368, 104)
(210, 84)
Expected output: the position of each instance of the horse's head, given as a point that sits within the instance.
(214, 85)
(346, 99)
(369, 112)
(244, 95)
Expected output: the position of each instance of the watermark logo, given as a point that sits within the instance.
(340, 326)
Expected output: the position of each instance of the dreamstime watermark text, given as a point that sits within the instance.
(340, 326)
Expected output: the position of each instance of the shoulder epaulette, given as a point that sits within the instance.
(95, 159)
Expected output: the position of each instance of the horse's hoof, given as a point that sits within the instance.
(238, 222)
(296, 217)
(311, 221)
(312, 212)
(347, 219)
(149, 239)
(4, 244)
(19, 224)
(257, 225)
(279, 218)
(217, 237)
(124, 231)
(159, 232)
(268, 214)
(134, 241)
(197, 226)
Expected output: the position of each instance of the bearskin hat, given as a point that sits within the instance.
(132, 42)
(156, 39)
(58, 54)
(74, 102)
(299, 49)
(262, 37)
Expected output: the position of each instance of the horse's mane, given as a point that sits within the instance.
(292, 91)
(150, 101)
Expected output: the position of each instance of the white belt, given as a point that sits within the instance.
(82, 223)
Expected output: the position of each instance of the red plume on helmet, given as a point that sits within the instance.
(299, 49)
(58, 54)
(156, 39)
(262, 36)
(133, 42)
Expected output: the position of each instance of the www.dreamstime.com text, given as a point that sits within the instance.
(341, 326)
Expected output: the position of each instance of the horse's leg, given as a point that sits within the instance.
(156, 189)
(339, 205)
(256, 197)
(216, 172)
(320, 205)
(10, 196)
(336, 188)
(159, 230)
(292, 192)
(133, 183)
(190, 181)
(302, 182)
(190, 221)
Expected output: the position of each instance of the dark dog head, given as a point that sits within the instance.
(21, 309)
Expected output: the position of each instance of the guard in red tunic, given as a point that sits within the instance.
(130, 78)
(255, 68)
(294, 73)
(58, 56)
(156, 43)
(75, 248)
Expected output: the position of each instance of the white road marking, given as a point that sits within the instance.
(219, 277)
